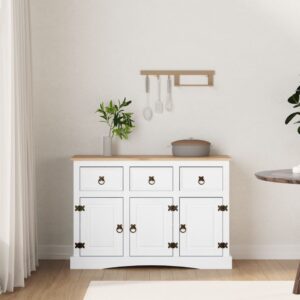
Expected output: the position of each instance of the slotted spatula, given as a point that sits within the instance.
(147, 112)
(159, 106)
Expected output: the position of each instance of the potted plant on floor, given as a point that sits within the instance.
(120, 123)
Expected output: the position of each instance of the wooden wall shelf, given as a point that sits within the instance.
(177, 73)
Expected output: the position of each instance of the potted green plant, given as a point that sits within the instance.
(120, 123)
(295, 101)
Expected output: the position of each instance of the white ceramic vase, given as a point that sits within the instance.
(107, 146)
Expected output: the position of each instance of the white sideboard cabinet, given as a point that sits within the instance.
(151, 210)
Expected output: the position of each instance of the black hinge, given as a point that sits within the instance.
(79, 245)
(222, 207)
(79, 207)
(173, 208)
(172, 245)
(222, 245)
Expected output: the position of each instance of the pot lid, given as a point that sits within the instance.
(190, 142)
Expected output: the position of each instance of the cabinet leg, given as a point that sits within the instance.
(297, 282)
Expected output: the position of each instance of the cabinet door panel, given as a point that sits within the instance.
(153, 226)
(98, 224)
(203, 224)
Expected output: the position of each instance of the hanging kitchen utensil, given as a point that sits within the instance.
(147, 112)
(159, 106)
(169, 100)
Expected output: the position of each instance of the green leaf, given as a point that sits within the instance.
(121, 123)
(291, 116)
(297, 105)
(294, 99)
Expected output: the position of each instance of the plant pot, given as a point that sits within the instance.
(107, 146)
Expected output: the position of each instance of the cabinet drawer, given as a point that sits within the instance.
(101, 178)
(201, 178)
(151, 178)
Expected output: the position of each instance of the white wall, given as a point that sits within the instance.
(88, 50)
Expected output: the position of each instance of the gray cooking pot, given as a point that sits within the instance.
(190, 147)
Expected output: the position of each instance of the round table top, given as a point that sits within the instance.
(280, 176)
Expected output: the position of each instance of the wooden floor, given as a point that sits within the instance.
(54, 279)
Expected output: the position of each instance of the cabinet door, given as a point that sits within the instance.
(200, 227)
(153, 223)
(101, 227)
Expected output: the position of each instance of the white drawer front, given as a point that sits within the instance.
(151, 178)
(101, 178)
(201, 178)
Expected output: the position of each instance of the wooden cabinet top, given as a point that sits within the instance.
(147, 158)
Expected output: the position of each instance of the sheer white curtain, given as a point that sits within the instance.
(18, 252)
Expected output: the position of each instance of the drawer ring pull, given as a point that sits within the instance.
(133, 228)
(201, 180)
(101, 180)
(119, 228)
(151, 180)
(182, 228)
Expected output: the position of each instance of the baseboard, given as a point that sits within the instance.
(55, 251)
(265, 251)
(237, 251)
